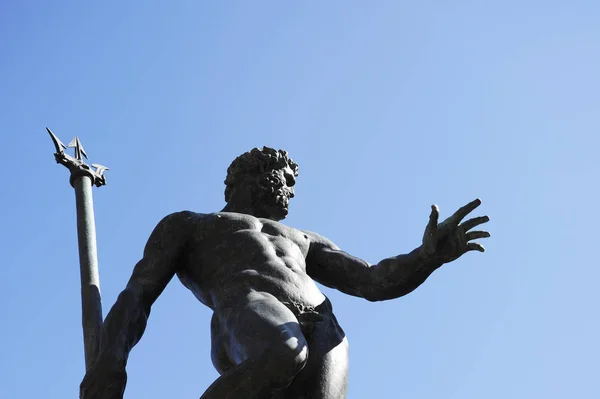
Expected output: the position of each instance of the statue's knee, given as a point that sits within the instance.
(300, 358)
(289, 359)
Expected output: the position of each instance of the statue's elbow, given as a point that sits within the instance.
(372, 296)
(384, 294)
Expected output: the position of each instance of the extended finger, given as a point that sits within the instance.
(433, 219)
(473, 246)
(465, 210)
(473, 235)
(469, 224)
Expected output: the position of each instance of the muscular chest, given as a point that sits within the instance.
(232, 237)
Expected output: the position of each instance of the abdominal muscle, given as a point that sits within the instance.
(285, 283)
(248, 261)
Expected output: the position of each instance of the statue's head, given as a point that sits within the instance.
(262, 181)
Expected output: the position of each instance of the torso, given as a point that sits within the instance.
(231, 255)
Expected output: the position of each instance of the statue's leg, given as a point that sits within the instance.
(326, 373)
(264, 343)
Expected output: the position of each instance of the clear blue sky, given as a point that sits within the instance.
(388, 107)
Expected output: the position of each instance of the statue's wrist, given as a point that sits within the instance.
(429, 259)
(422, 254)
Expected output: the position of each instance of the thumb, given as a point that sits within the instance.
(433, 219)
(428, 240)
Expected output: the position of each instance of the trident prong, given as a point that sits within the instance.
(100, 178)
(99, 168)
(60, 147)
(79, 151)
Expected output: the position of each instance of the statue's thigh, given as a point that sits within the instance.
(260, 325)
(326, 372)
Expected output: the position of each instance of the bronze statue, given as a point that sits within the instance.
(274, 334)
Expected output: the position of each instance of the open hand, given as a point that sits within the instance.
(451, 239)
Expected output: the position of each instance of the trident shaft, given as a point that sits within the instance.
(82, 178)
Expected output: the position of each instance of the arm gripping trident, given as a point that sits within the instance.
(82, 178)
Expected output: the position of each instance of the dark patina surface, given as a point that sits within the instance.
(274, 334)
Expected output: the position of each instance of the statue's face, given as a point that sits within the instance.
(276, 188)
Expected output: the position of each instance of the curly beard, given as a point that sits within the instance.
(274, 197)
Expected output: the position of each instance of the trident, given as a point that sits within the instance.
(82, 178)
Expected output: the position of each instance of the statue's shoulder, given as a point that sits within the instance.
(176, 229)
(178, 224)
(317, 240)
(176, 219)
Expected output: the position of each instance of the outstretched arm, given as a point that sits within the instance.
(399, 275)
(126, 321)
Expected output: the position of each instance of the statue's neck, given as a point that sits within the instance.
(242, 208)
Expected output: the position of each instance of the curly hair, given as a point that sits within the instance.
(254, 162)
